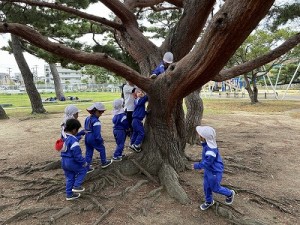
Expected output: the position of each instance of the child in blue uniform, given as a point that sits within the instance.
(93, 138)
(138, 115)
(213, 168)
(163, 66)
(71, 112)
(121, 126)
(72, 161)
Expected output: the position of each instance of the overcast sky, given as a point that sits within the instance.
(8, 63)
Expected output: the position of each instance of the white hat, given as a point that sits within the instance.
(118, 106)
(168, 57)
(70, 111)
(209, 134)
(98, 106)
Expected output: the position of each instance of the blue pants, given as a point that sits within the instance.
(90, 151)
(74, 173)
(211, 183)
(138, 132)
(120, 137)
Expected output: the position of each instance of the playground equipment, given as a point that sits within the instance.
(274, 87)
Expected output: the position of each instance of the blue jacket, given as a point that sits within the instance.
(159, 69)
(92, 126)
(140, 108)
(120, 122)
(211, 160)
(72, 149)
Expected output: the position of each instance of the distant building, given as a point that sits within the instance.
(67, 76)
(5, 79)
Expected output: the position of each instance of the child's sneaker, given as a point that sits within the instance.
(153, 76)
(90, 170)
(136, 148)
(206, 205)
(108, 162)
(229, 200)
(118, 158)
(73, 196)
(78, 189)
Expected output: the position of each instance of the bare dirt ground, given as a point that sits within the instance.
(260, 153)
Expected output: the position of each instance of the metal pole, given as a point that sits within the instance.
(277, 78)
(291, 81)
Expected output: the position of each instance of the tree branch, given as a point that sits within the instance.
(121, 11)
(226, 32)
(98, 59)
(259, 61)
(183, 37)
(150, 3)
(72, 11)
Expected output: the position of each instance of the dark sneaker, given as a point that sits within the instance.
(206, 205)
(108, 162)
(136, 148)
(73, 196)
(90, 170)
(78, 189)
(229, 200)
(118, 158)
(153, 76)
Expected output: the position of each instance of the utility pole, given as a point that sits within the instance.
(6, 78)
(36, 71)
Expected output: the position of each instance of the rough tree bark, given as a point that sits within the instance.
(253, 93)
(3, 114)
(57, 84)
(194, 114)
(34, 95)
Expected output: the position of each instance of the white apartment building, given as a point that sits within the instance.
(67, 76)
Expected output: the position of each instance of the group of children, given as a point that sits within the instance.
(76, 166)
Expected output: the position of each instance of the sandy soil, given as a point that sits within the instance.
(260, 152)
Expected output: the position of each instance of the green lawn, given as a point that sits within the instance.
(21, 105)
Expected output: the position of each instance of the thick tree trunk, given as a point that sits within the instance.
(57, 84)
(194, 105)
(34, 95)
(3, 114)
(163, 147)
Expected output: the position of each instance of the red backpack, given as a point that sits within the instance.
(59, 144)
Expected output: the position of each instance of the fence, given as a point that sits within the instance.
(49, 88)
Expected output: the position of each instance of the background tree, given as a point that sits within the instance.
(202, 44)
(34, 96)
(255, 45)
(3, 114)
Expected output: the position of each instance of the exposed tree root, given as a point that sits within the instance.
(103, 216)
(169, 178)
(154, 192)
(60, 214)
(24, 213)
(50, 191)
(118, 172)
(272, 202)
(238, 166)
(96, 202)
(3, 207)
(144, 171)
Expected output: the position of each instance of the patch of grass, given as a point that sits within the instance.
(21, 104)
(22, 107)
(219, 106)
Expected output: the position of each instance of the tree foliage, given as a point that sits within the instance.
(281, 15)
